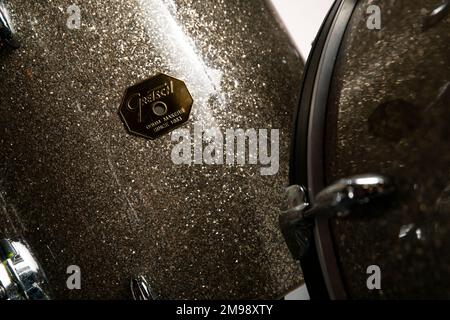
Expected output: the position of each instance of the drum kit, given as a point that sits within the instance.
(107, 190)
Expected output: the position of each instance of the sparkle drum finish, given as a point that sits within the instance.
(369, 171)
(388, 112)
(83, 191)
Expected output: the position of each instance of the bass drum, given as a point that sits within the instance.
(374, 117)
(388, 114)
(87, 198)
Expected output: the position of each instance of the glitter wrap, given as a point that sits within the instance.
(387, 114)
(83, 191)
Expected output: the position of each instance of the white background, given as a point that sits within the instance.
(302, 18)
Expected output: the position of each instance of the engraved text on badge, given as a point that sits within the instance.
(156, 106)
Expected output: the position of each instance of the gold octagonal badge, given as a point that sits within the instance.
(156, 106)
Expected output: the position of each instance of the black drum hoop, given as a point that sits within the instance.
(320, 266)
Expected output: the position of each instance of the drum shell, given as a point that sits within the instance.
(83, 191)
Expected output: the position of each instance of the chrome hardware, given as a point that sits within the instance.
(6, 31)
(297, 215)
(297, 230)
(21, 277)
(341, 196)
(437, 15)
(141, 290)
